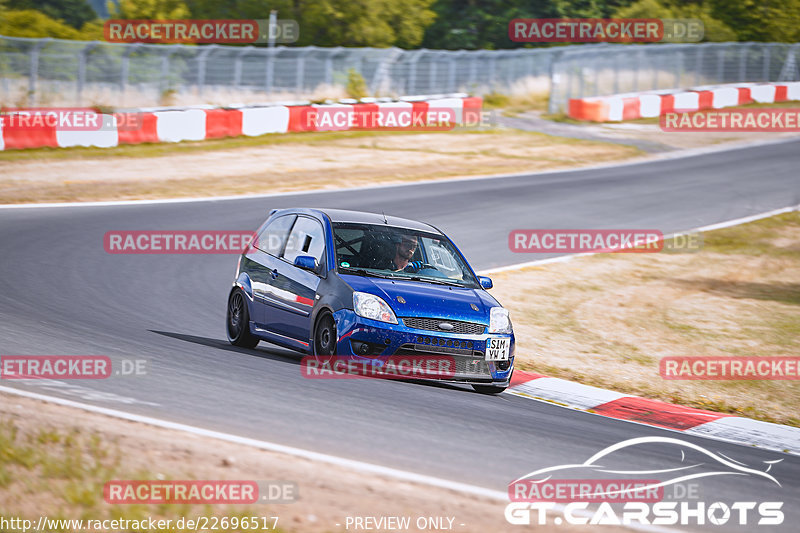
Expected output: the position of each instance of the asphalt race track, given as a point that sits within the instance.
(61, 293)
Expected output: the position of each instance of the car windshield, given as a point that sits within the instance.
(400, 253)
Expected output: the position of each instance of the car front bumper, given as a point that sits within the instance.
(384, 340)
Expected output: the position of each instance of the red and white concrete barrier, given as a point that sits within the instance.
(196, 124)
(649, 104)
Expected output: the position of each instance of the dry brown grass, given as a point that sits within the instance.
(54, 461)
(302, 163)
(607, 320)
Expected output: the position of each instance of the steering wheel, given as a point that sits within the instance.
(416, 266)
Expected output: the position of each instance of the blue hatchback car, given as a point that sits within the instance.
(368, 286)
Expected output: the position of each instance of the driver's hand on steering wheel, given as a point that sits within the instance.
(413, 266)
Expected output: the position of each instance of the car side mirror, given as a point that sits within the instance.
(306, 262)
(486, 283)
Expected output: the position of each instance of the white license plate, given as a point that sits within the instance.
(497, 349)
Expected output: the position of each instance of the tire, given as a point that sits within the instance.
(489, 389)
(324, 336)
(237, 321)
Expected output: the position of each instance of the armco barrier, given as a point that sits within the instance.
(620, 107)
(176, 125)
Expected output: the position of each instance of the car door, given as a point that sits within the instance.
(294, 287)
(262, 262)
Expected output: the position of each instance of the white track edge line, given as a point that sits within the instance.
(401, 475)
(701, 229)
(678, 154)
(265, 445)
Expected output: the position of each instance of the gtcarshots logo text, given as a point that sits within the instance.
(551, 495)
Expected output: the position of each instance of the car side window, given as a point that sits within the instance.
(307, 238)
(273, 236)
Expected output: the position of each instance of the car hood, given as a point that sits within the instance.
(427, 299)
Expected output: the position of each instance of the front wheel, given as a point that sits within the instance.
(489, 389)
(238, 321)
(325, 336)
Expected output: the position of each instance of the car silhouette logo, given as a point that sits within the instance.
(401, 300)
(474, 307)
(686, 470)
(447, 326)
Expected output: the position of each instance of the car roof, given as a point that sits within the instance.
(361, 217)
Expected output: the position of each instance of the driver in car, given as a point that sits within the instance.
(404, 251)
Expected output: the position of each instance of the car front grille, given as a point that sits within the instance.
(432, 324)
(468, 364)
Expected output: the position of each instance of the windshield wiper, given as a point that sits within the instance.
(365, 273)
(437, 281)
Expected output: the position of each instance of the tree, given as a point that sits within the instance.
(475, 24)
(76, 13)
(760, 20)
(149, 9)
(378, 23)
(714, 29)
(34, 24)
(31, 23)
(240, 9)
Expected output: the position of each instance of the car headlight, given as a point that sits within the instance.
(371, 306)
(499, 322)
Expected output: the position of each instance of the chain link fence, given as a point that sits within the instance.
(50, 71)
(60, 72)
(601, 70)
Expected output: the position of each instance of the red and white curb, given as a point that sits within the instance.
(160, 125)
(650, 104)
(719, 426)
